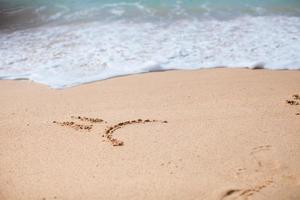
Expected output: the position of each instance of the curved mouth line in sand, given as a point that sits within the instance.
(108, 134)
(111, 129)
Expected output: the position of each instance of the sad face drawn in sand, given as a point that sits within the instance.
(108, 134)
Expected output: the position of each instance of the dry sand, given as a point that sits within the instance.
(230, 135)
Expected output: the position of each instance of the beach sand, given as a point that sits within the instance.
(230, 134)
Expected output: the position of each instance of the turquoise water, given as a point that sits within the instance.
(154, 3)
(24, 13)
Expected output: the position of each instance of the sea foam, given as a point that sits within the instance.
(75, 53)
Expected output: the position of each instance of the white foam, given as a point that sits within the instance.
(69, 55)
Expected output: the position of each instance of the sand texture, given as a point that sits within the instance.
(217, 134)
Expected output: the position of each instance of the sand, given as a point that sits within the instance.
(206, 134)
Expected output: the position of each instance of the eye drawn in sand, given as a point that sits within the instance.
(292, 102)
(74, 125)
(295, 101)
(245, 194)
(88, 119)
(77, 126)
(109, 131)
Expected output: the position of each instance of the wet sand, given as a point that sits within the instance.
(207, 134)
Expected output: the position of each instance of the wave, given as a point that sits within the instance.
(76, 53)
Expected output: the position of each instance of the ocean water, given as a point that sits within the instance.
(64, 43)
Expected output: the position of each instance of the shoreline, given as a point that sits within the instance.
(221, 133)
(256, 67)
